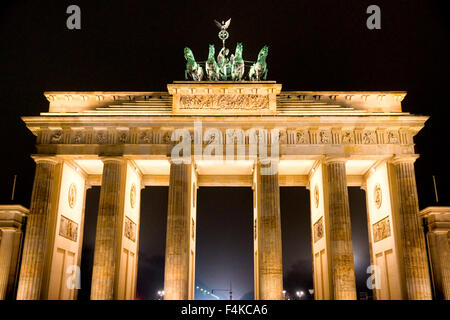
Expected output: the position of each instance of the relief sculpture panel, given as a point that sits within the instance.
(381, 230)
(68, 229)
(225, 101)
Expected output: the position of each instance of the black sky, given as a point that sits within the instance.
(138, 45)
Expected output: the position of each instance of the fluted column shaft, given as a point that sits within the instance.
(269, 242)
(107, 235)
(36, 237)
(415, 264)
(440, 260)
(340, 232)
(176, 273)
(6, 252)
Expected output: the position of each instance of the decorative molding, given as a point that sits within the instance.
(72, 195)
(133, 195)
(155, 135)
(316, 196)
(377, 196)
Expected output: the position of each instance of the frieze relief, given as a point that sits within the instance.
(225, 101)
(293, 136)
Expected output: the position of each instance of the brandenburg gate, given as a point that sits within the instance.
(228, 130)
(122, 141)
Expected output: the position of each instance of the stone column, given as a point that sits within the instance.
(414, 256)
(35, 249)
(176, 273)
(437, 224)
(108, 230)
(6, 252)
(342, 276)
(12, 219)
(269, 236)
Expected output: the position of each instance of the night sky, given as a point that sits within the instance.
(138, 46)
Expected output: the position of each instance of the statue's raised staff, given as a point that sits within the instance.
(193, 69)
(259, 69)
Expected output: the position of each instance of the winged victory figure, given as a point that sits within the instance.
(223, 25)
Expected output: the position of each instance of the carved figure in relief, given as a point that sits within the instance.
(368, 137)
(324, 137)
(381, 230)
(123, 137)
(56, 137)
(130, 229)
(392, 137)
(68, 228)
(301, 138)
(167, 137)
(347, 137)
(318, 230)
(101, 137)
(77, 137)
(146, 136)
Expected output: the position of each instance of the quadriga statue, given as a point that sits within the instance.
(193, 69)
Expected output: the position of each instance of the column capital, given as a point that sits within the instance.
(45, 158)
(266, 161)
(411, 158)
(334, 158)
(436, 218)
(189, 160)
(113, 159)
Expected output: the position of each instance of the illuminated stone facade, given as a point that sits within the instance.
(123, 142)
(12, 221)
